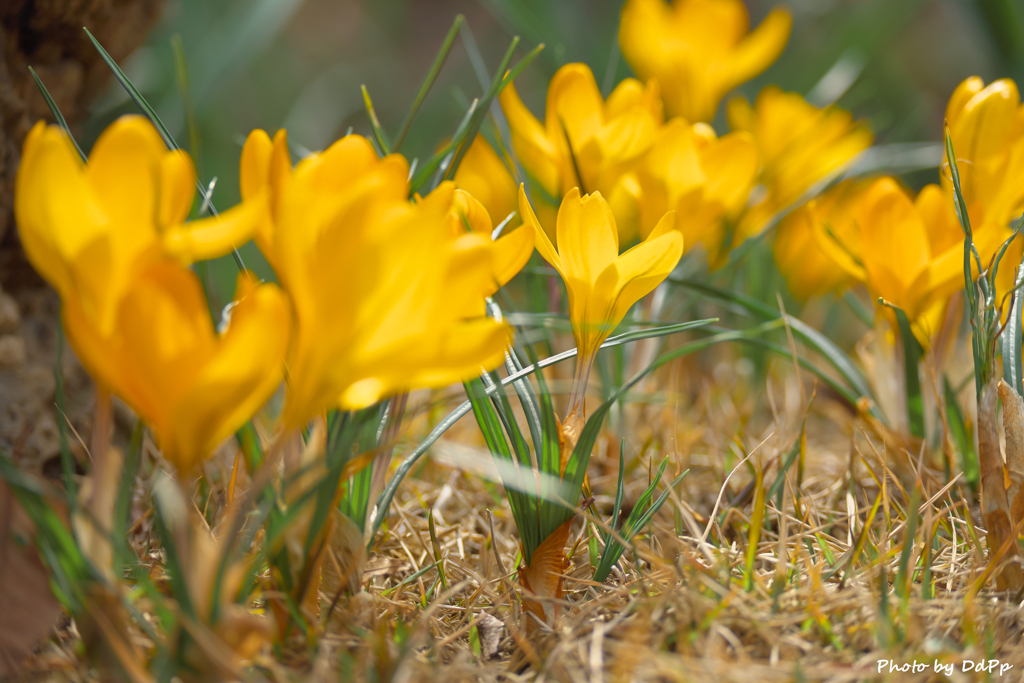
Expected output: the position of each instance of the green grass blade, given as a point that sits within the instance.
(185, 92)
(428, 83)
(964, 440)
(818, 341)
(776, 489)
(502, 77)
(444, 157)
(902, 578)
(911, 361)
(528, 400)
(132, 460)
(55, 110)
(524, 506)
(1011, 338)
(378, 131)
(67, 460)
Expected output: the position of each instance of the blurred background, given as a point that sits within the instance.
(299, 65)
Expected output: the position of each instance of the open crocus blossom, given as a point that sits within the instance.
(602, 284)
(483, 174)
(704, 178)
(586, 142)
(88, 227)
(508, 253)
(698, 49)
(192, 386)
(905, 247)
(810, 268)
(799, 146)
(385, 299)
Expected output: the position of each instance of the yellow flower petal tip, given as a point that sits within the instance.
(699, 49)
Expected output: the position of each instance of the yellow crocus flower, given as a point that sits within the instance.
(508, 254)
(87, 228)
(699, 49)
(799, 146)
(809, 268)
(602, 284)
(586, 142)
(704, 178)
(986, 125)
(192, 386)
(905, 245)
(383, 296)
(484, 175)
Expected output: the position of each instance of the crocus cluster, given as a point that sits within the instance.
(908, 250)
(378, 295)
(724, 189)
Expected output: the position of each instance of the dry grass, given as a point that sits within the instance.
(824, 602)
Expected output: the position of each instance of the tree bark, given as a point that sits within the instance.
(48, 35)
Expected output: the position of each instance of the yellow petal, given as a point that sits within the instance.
(543, 242)
(467, 214)
(177, 188)
(760, 48)
(645, 266)
(485, 176)
(511, 252)
(216, 236)
(254, 166)
(239, 378)
(588, 240)
(124, 169)
(536, 152)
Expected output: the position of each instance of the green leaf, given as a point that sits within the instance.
(1011, 338)
(378, 131)
(964, 440)
(911, 371)
(853, 377)
(428, 82)
(55, 110)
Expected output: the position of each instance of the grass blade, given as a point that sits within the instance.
(55, 110)
(911, 361)
(819, 342)
(964, 440)
(1011, 338)
(428, 83)
(378, 131)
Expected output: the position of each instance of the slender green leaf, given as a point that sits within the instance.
(911, 371)
(428, 82)
(819, 342)
(378, 131)
(1011, 338)
(55, 110)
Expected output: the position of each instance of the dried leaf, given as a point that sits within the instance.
(28, 610)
